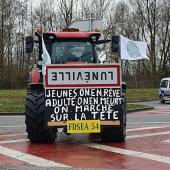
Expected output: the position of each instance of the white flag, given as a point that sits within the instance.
(132, 50)
(45, 56)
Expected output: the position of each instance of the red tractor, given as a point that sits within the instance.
(68, 88)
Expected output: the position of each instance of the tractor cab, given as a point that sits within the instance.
(65, 47)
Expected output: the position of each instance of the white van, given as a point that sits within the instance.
(164, 90)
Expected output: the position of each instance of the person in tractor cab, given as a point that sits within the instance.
(87, 55)
(67, 55)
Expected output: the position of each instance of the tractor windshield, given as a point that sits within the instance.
(68, 51)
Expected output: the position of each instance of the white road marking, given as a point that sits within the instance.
(127, 137)
(146, 128)
(139, 123)
(10, 116)
(61, 129)
(13, 134)
(147, 135)
(159, 111)
(166, 141)
(136, 154)
(13, 141)
(43, 162)
(31, 159)
(13, 126)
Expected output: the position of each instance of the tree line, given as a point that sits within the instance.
(141, 20)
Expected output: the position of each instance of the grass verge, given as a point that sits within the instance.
(131, 106)
(142, 94)
(13, 100)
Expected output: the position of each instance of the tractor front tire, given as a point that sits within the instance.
(35, 119)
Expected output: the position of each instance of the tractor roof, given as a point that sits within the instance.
(70, 35)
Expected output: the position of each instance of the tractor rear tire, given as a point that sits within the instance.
(35, 119)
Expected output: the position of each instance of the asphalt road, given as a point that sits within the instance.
(155, 103)
(147, 145)
(15, 122)
(161, 117)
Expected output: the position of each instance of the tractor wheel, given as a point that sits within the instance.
(35, 119)
(113, 134)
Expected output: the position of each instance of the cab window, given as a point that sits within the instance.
(63, 51)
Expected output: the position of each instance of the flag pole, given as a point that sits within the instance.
(119, 57)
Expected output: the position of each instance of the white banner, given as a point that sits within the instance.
(45, 56)
(132, 50)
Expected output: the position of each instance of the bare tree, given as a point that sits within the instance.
(66, 11)
(154, 18)
(164, 40)
(12, 21)
(45, 16)
(145, 20)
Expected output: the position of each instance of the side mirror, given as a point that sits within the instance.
(115, 44)
(100, 54)
(29, 44)
(123, 87)
(98, 50)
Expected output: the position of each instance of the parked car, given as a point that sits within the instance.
(164, 90)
